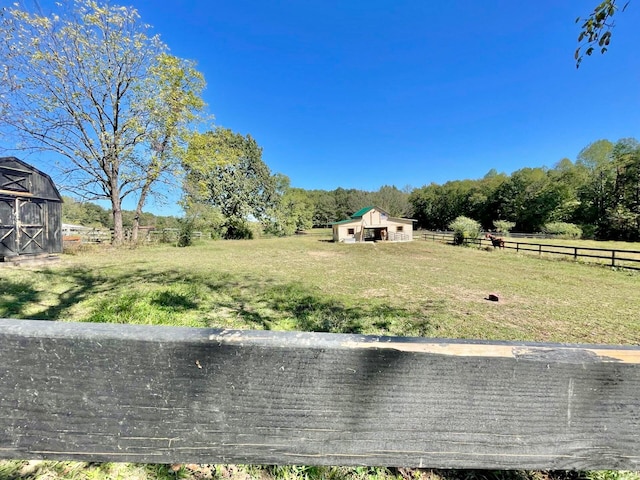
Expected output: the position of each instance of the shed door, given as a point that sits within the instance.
(30, 226)
(8, 237)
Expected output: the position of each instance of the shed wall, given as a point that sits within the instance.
(30, 211)
(54, 228)
(343, 232)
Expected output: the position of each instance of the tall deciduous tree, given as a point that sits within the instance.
(293, 210)
(225, 170)
(623, 217)
(175, 106)
(94, 87)
(324, 212)
(594, 161)
(393, 200)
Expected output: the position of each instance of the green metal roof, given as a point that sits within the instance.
(361, 212)
(348, 220)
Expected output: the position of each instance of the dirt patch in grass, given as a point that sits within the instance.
(325, 254)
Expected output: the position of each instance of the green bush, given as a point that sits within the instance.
(465, 229)
(588, 231)
(502, 226)
(238, 230)
(185, 232)
(562, 230)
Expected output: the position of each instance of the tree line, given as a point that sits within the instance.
(599, 192)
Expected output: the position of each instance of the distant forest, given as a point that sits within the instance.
(599, 192)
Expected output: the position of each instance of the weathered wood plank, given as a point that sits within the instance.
(165, 394)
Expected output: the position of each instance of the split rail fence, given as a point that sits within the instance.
(629, 259)
(75, 235)
(100, 392)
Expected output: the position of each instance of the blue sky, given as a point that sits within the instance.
(359, 94)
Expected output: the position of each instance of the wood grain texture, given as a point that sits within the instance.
(165, 394)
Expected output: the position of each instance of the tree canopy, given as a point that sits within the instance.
(225, 170)
(90, 84)
(600, 192)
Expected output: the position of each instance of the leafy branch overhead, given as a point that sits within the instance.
(596, 29)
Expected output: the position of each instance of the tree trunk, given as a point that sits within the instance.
(116, 210)
(118, 230)
(135, 228)
(141, 201)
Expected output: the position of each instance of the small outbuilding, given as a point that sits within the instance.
(30, 211)
(373, 224)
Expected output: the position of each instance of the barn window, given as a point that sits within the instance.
(351, 231)
(399, 228)
(14, 179)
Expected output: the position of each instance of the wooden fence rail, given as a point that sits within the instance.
(629, 259)
(101, 392)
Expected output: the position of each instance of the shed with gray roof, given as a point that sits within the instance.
(30, 211)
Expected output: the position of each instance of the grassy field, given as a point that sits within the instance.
(309, 283)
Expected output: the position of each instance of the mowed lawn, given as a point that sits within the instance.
(306, 282)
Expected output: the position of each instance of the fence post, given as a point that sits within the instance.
(575, 254)
(517, 246)
(539, 249)
(613, 258)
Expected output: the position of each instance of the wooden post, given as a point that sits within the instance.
(613, 258)
(99, 392)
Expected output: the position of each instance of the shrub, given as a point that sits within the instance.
(588, 231)
(465, 229)
(503, 226)
(185, 232)
(238, 230)
(562, 229)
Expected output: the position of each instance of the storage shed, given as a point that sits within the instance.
(30, 211)
(373, 224)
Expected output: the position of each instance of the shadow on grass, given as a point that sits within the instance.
(149, 296)
(177, 301)
(16, 297)
(312, 312)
